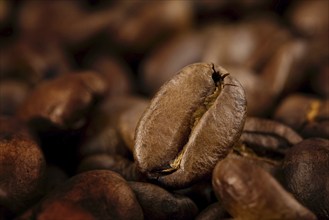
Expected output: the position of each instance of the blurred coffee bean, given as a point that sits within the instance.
(12, 95)
(306, 173)
(102, 134)
(267, 137)
(116, 75)
(141, 24)
(22, 166)
(58, 210)
(248, 192)
(249, 44)
(33, 61)
(62, 21)
(306, 114)
(285, 70)
(311, 19)
(158, 203)
(5, 7)
(179, 138)
(213, 212)
(126, 168)
(64, 101)
(102, 194)
(163, 62)
(128, 121)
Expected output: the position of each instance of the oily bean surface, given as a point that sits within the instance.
(179, 138)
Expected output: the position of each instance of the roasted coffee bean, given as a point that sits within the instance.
(22, 166)
(116, 74)
(192, 122)
(102, 194)
(306, 173)
(267, 137)
(58, 209)
(32, 62)
(311, 19)
(213, 212)
(63, 102)
(102, 134)
(248, 192)
(128, 121)
(126, 168)
(157, 203)
(311, 119)
(285, 71)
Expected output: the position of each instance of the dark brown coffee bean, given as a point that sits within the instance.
(22, 165)
(102, 193)
(158, 203)
(248, 192)
(138, 24)
(128, 121)
(65, 21)
(126, 168)
(58, 209)
(213, 212)
(266, 136)
(306, 173)
(28, 60)
(193, 122)
(305, 114)
(116, 74)
(64, 101)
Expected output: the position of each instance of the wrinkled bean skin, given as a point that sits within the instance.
(101, 193)
(22, 165)
(248, 192)
(306, 174)
(266, 136)
(157, 203)
(171, 121)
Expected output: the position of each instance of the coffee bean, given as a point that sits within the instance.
(64, 101)
(101, 193)
(266, 137)
(306, 173)
(248, 192)
(191, 123)
(157, 203)
(22, 165)
(310, 120)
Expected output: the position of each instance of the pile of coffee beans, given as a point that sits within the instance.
(164, 109)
